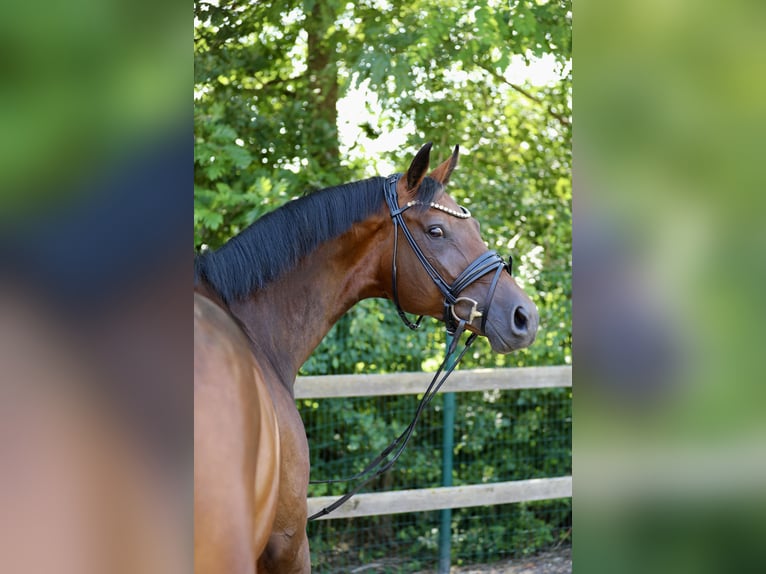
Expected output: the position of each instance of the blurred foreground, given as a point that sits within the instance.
(669, 243)
(95, 331)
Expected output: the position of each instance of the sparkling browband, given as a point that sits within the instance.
(464, 214)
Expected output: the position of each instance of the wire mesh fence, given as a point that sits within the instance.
(498, 436)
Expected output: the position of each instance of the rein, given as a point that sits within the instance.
(486, 263)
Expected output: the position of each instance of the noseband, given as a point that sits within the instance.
(486, 263)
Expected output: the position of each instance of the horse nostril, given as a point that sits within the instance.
(520, 320)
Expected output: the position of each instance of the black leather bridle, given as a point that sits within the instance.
(488, 262)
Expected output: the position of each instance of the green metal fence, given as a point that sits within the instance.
(496, 436)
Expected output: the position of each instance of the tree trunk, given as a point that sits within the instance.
(323, 86)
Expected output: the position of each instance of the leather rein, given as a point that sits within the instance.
(488, 262)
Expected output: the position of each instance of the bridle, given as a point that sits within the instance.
(486, 263)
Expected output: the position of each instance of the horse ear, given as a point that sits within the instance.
(442, 173)
(418, 167)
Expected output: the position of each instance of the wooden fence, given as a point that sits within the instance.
(425, 499)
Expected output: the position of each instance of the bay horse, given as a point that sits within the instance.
(264, 301)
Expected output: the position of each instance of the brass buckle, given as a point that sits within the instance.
(474, 314)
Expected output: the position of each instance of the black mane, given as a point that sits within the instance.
(278, 240)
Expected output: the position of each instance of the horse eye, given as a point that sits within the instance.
(435, 231)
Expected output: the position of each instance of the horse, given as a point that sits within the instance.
(262, 304)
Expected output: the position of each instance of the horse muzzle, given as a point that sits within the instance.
(512, 327)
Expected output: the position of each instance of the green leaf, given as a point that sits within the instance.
(211, 219)
(214, 171)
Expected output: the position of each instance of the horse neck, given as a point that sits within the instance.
(287, 319)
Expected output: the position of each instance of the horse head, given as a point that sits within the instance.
(447, 271)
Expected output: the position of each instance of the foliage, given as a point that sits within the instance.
(270, 78)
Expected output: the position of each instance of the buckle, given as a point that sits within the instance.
(474, 313)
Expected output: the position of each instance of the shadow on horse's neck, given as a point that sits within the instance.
(287, 319)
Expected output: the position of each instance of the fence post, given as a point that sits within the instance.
(448, 441)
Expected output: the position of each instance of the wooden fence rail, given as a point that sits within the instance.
(425, 499)
(332, 386)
